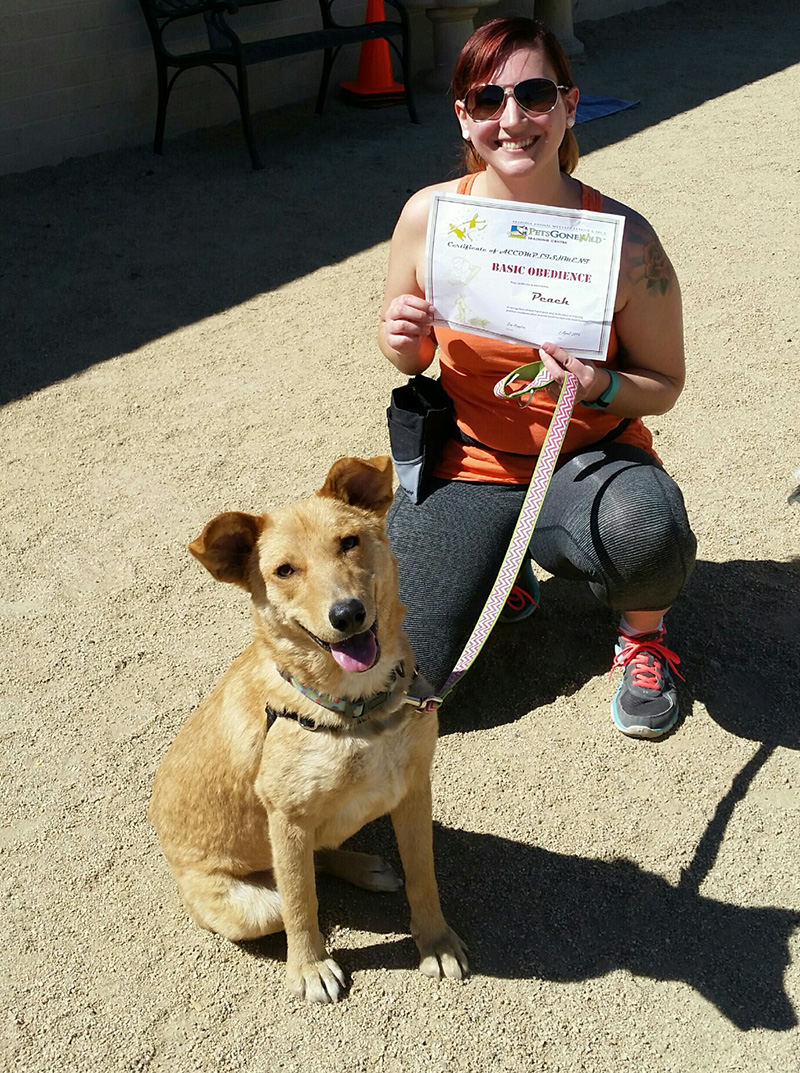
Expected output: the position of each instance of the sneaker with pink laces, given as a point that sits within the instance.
(646, 703)
(523, 599)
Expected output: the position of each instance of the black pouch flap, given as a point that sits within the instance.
(420, 417)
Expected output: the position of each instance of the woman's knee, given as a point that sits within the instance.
(645, 546)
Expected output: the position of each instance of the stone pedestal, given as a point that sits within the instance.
(452, 22)
(557, 16)
(452, 26)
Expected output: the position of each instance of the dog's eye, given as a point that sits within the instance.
(285, 570)
(350, 542)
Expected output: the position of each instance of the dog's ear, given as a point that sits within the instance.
(225, 545)
(361, 482)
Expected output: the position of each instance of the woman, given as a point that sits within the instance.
(611, 516)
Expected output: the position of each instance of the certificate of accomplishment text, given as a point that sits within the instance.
(524, 273)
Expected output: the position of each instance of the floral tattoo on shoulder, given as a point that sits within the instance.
(647, 261)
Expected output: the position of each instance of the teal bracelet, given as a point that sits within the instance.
(602, 401)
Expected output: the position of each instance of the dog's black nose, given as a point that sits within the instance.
(347, 615)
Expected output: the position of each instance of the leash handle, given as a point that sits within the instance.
(536, 376)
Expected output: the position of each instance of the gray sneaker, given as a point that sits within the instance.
(646, 703)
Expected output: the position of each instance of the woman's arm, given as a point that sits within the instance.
(649, 325)
(404, 335)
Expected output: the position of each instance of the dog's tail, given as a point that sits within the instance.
(236, 907)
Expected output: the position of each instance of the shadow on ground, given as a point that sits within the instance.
(580, 918)
(715, 47)
(185, 236)
(735, 629)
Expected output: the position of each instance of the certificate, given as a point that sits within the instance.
(524, 273)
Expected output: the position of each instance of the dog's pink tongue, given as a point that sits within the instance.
(356, 653)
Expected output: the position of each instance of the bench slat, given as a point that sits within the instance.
(273, 48)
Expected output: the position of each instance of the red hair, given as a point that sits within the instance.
(489, 48)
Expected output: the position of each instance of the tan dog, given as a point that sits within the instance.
(275, 764)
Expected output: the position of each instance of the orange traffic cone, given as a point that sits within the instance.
(375, 84)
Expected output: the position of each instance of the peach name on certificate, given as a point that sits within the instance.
(524, 273)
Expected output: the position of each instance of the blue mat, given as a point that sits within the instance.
(597, 107)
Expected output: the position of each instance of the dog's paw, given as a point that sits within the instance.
(317, 981)
(366, 870)
(443, 957)
(377, 874)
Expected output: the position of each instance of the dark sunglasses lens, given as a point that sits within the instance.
(536, 94)
(485, 102)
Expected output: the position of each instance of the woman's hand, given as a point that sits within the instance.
(592, 381)
(407, 321)
(404, 334)
(406, 331)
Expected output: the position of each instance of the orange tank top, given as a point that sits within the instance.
(470, 367)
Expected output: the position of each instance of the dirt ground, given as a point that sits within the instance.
(182, 335)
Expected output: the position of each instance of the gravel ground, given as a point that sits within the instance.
(184, 336)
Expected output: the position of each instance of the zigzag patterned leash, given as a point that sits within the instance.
(536, 377)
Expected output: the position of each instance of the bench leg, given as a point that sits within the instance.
(405, 67)
(161, 108)
(405, 64)
(243, 97)
(327, 66)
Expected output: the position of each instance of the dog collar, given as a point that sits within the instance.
(357, 710)
(301, 720)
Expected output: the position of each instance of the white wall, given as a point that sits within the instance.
(78, 76)
(603, 9)
(581, 9)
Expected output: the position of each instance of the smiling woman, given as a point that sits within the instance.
(495, 72)
(612, 516)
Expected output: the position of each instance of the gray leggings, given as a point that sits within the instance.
(611, 517)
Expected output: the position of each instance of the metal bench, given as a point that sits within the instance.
(225, 49)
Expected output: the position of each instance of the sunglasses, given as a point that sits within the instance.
(536, 96)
